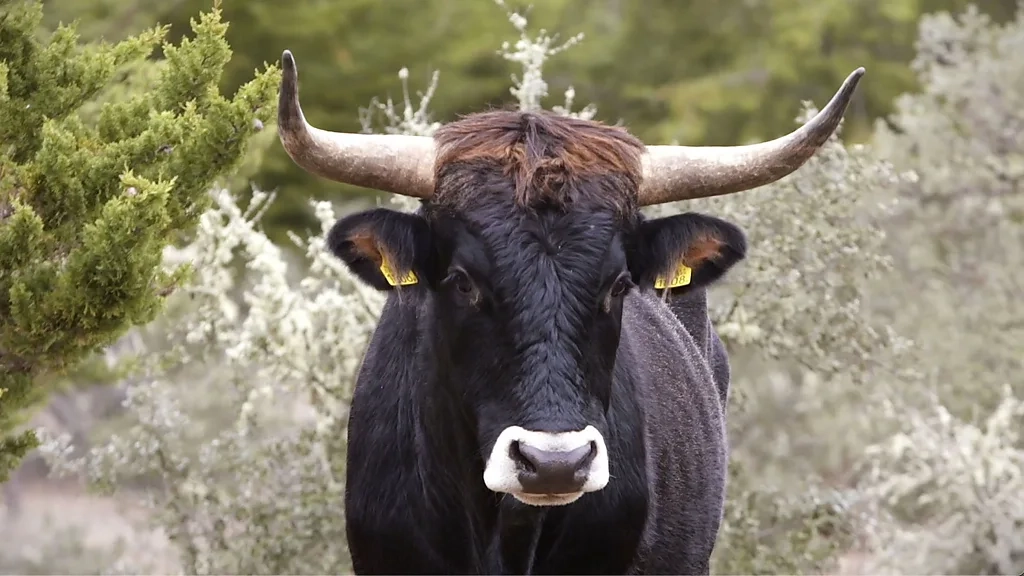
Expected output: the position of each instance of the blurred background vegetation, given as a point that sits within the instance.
(686, 71)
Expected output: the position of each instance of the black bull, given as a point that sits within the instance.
(544, 392)
(534, 315)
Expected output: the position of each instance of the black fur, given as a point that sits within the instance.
(512, 323)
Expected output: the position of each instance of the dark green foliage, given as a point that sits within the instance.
(91, 191)
(732, 71)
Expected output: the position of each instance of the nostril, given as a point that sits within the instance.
(589, 457)
(515, 452)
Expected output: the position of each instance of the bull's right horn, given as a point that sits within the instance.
(388, 162)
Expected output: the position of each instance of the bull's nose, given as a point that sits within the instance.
(551, 472)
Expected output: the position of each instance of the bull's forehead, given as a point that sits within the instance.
(546, 262)
(545, 237)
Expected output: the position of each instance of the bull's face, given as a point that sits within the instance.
(526, 307)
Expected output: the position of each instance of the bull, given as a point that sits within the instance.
(544, 392)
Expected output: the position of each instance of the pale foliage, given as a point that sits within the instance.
(412, 121)
(962, 485)
(959, 232)
(531, 53)
(953, 477)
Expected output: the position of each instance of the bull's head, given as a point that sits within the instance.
(527, 242)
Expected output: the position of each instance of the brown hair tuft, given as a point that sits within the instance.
(551, 159)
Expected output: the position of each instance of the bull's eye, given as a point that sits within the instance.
(459, 280)
(622, 284)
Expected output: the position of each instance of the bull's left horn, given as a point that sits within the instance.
(389, 162)
(672, 173)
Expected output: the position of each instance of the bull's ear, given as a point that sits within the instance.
(384, 248)
(686, 251)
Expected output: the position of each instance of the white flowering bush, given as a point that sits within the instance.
(246, 475)
(956, 487)
(64, 552)
(235, 421)
(959, 232)
(949, 483)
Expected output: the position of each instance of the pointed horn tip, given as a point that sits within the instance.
(837, 105)
(289, 71)
(853, 79)
(289, 81)
(288, 61)
(289, 111)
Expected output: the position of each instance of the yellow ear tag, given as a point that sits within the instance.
(385, 269)
(681, 278)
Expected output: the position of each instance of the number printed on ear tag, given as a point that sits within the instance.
(385, 269)
(681, 278)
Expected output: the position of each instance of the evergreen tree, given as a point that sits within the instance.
(94, 183)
